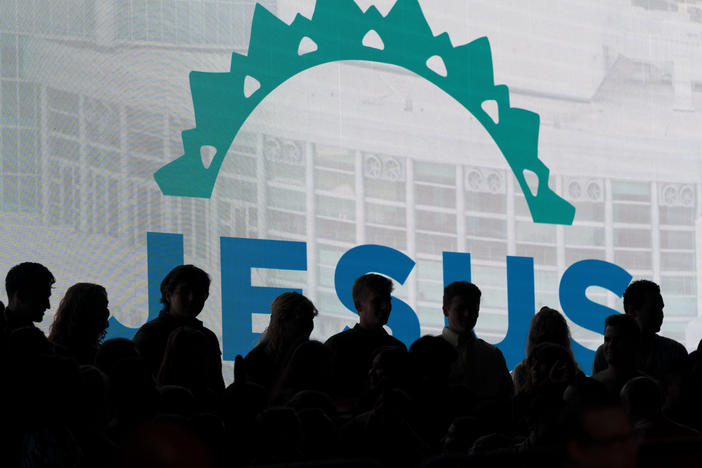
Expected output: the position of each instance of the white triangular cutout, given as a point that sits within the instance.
(373, 40)
(532, 181)
(207, 154)
(490, 107)
(251, 85)
(307, 46)
(437, 65)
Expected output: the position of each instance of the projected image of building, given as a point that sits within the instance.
(86, 123)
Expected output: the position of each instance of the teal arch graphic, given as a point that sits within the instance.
(337, 31)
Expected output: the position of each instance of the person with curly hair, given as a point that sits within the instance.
(80, 323)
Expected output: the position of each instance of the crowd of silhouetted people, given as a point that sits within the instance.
(361, 399)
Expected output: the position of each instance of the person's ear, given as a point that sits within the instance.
(445, 310)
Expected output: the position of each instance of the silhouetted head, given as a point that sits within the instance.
(184, 291)
(548, 326)
(389, 368)
(371, 297)
(28, 287)
(461, 306)
(292, 316)
(112, 351)
(621, 340)
(431, 358)
(643, 301)
(642, 398)
(81, 317)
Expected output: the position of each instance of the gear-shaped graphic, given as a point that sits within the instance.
(336, 32)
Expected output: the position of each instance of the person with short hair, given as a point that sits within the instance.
(184, 291)
(621, 350)
(353, 348)
(480, 366)
(658, 355)
(28, 287)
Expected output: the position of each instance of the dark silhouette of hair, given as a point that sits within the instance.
(642, 398)
(464, 289)
(370, 282)
(291, 313)
(81, 322)
(189, 274)
(27, 275)
(548, 326)
(635, 294)
(553, 364)
(626, 324)
(112, 351)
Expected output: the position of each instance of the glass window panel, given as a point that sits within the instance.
(493, 299)
(632, 191)
(628, 213)
(543, 255)
(584, 235)
(678, 285)
(286, 222)
(488, 250)
(336, 230)
(633, 260)
(286, 173)
(64, 124)
(8, 55)
(436, 221)
(286, 199)
(680, 306)
(489, 275)
(9, 148)
(435, 244)
(384, 189)
(391, 237)
(486, 227)
(632, 237)
(430, 291)
(326, 276)
(589, 211)
(336, 207)
(9, 191)
(430, 270)
(340, 183)
(334, 158)
(434, 172)
(677, 215)
(28, 93)
(329, 255)
(64, 149)
(677, 239)
(29, 151)
(486, 202)
(435, 196)
(676, 261)
(575, 255)
(385, 214)
(531, 232)
(62, 100)
(8, 114)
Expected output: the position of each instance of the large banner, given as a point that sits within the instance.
(548, 152)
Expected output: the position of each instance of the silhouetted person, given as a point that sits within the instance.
(547, 326)
(183, 293)
(80, 322)
(290, 324)
(353, 348)
(480, 366)
(643, 401)
(309, 368)
(28, 287)
(189, 361)
(621, 350)
(658, 355)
